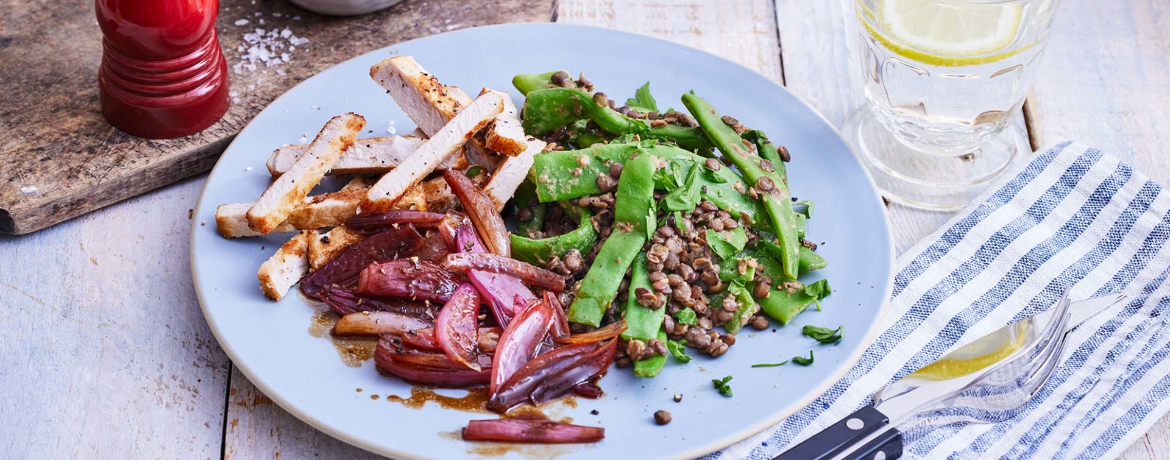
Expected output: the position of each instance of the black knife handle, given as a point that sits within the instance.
(886, 446)
(838, 436)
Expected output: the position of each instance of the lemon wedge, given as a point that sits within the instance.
(977, 355)
(947, 32)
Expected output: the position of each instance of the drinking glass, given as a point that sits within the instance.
(945, 81)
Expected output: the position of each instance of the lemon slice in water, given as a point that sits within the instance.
(948, 32)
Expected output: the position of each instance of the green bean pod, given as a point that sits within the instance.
(633, 206)
(783, 306)
(525, 197)
(548, 109)
(641, 323)
(777, 202)
(649, 367)
(539, 251)
(528, 82)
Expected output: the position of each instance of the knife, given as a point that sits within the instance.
(861, 434)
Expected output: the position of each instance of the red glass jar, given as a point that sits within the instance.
(163, 74)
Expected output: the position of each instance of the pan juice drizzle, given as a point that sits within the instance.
(353, 351)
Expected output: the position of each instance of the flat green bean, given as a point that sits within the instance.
(633, 205)
(776, 201)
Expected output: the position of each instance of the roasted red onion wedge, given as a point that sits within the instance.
(373, 223)
(433, 248)
(456, 329)
(488, 262)
(506, 294)
(449, 226)
(344, 302)
(412, 279)
(422, 338)
(482, 211)
(560, 327)
(385, 362)
(419, 358)
(377, 323)
(489, 337)
(343, 271)
(608, 331)
(518, 343)
(532, 431)
(582, 371)
(518, 388)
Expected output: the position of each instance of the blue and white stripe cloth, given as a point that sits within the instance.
(1074, 219)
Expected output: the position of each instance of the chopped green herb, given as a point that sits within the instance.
(727, 245)
(687, 316)
(474, 171)
(771, 364)
(818, 291)
(722, 386)
(801, 360)
(822, 334)
(642, 100)
(678, 349)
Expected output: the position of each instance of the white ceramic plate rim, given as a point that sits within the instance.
(696, 452)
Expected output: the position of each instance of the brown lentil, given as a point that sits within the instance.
(662, 417)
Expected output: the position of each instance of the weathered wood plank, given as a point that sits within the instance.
(106, 354)
(258, 428)
(61, 159)
(1105, 81)
(743, 31)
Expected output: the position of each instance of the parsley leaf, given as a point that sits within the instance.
(678, 349)
(801, 360)
(687, 316)
(824, 335)
(685, 196)
(474, 171)
(642, 100)
(818, 290)
(722, 386)
(726, 245)
(771, 364)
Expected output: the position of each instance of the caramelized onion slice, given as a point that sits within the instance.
(482, 211)
(608, 331)
(456, 329)
(412, 279)
(518, 342)
(518, 389)
(531, 431)
(493, 263)
(376, 323)
(586, 368)
(386, 364)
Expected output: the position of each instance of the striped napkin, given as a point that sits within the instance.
(1074, 219)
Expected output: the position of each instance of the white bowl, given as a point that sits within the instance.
(344, 7)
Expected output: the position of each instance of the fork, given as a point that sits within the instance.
(990, 394)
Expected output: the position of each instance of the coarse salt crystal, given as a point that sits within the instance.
(248, 169)
(242, 22)
(30, 191)
(391, 129)
(304, 138)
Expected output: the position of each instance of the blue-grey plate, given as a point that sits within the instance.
(270, 344)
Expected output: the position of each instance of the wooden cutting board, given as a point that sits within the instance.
(60, 159)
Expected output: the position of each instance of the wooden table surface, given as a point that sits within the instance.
(106, 353)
